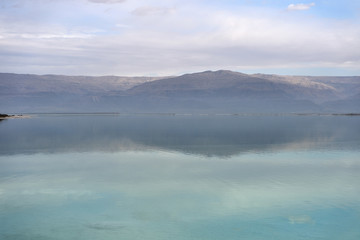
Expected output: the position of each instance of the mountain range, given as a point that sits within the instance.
(205, 92)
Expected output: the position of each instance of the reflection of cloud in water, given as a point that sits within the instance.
(162, 185)
(24, 236)
(301, 219)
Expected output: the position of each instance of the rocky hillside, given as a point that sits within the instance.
(219, 91)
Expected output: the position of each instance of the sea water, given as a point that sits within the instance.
(116, 176)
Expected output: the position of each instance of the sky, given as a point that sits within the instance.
(173, 37)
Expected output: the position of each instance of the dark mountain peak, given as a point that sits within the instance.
(206, 79)
(225, 72)
(221, 71)
(216, 73)
(222, 82)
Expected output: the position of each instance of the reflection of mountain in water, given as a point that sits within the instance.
(204, 135)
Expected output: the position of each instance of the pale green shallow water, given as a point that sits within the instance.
(180, 177)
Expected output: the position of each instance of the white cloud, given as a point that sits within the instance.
(300, 6)
(49, 36)
(149, 10)
(107, 1)
(120, 25)
(191, 37)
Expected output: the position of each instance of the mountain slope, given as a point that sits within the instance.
(214, 84)
(219, 92)
(29, 83)
(303, 87)
(227, 91)
(347, 105)
(58, 93)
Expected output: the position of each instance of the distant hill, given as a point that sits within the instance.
(350, 104)
(223, 84)
(210, 92)
(53, 93)
(29, 83)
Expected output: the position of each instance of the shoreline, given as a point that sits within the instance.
(30, 115)
(7, 116)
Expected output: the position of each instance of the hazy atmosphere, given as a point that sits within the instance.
(173, 37)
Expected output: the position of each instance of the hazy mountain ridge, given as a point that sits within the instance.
(209, 82)
(301, 87)
(304, 87)
(209, 91)
(28, 83)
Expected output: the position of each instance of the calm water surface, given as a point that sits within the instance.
(180, 177)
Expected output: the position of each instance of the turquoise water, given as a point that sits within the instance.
(180, 177)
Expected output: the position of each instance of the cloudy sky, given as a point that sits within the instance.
(170, 37)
